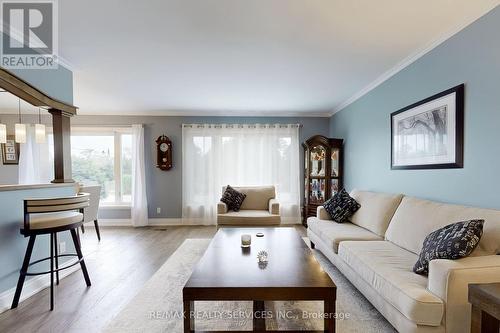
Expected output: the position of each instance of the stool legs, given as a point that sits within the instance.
(56, 257)
(76, 241)
(22, 273)
(51, 272)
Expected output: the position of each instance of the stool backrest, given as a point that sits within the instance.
(52, 205)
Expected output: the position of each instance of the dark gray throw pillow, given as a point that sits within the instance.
(341, 206)
(232, 198)
(454, 241)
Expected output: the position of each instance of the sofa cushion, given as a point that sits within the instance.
(416, 218)
(388, 269)
(232, 198)
(257, 197)
(333, 233)
(376, 210)
(248, 217)
(453, 241)
(341, 206)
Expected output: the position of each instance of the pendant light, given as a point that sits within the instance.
(3, 133)
(20, 128)
(40, 130)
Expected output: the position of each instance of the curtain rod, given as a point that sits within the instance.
(242, 125)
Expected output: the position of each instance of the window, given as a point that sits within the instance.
(103, 156)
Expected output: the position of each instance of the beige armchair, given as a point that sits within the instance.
(260, 207)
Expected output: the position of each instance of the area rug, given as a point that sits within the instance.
(158, 306)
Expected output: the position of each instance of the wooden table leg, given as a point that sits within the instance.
(482, 322)
(188, 317)
(329, 321)
(259, 322)
(475, 320)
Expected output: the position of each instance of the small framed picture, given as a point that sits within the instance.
(429, 134)
(10, 151)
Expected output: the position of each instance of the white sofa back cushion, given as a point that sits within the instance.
(376, 210)
(257, 196)
(416, 218)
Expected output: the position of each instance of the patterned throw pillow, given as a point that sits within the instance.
(341, 206)
(232, 198)
(454, 241)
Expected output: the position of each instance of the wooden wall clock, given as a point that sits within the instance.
(164, 153)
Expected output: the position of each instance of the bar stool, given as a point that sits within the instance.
(50, 216)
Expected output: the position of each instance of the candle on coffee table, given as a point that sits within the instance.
(246, 240)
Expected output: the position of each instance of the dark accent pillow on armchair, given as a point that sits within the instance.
(232, 198)
(454, 241)
(341, 206)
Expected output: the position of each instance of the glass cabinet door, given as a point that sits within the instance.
(335, 162)
(318, 165)
(317, 191)
(334, 187)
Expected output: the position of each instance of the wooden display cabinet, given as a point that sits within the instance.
(323, 172)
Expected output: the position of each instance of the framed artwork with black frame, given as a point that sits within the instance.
(429, 134)
(10, 151)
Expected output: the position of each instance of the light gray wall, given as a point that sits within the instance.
(471, 57)
(165, 187)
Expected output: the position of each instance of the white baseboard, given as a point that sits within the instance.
(31, 287)
(159, 222)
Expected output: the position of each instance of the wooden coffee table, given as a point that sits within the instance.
(227, 272)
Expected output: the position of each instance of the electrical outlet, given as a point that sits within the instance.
(158, 210)
(62, 247)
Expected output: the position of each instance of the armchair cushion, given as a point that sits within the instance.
(274, 207)
(233, 198)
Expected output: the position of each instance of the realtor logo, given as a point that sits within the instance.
(29, 37)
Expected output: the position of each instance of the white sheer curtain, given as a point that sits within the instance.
(239, 155)
(34, 160)
(139, 210)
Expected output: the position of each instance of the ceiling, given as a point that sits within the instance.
(245, 57)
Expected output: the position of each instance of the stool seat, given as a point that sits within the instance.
(53, 220)
(48, 216)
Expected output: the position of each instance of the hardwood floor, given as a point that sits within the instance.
(119, 266)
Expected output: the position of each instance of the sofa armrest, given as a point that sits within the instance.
(322, 214)
(221, 208)
(274, 207)
(450, 279)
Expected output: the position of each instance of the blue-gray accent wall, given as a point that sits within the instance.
(472, 57)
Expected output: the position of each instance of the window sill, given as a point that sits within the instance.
(115, 206)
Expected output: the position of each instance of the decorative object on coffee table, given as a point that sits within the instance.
(246, 240)
(485, 300)
(429, 134)
(323, 173)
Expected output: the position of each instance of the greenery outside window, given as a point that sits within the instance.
(103, 156)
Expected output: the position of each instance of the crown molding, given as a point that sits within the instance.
(405, 63)
(203, 113)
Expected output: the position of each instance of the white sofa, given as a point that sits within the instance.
(260, 207)
(378, 249)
